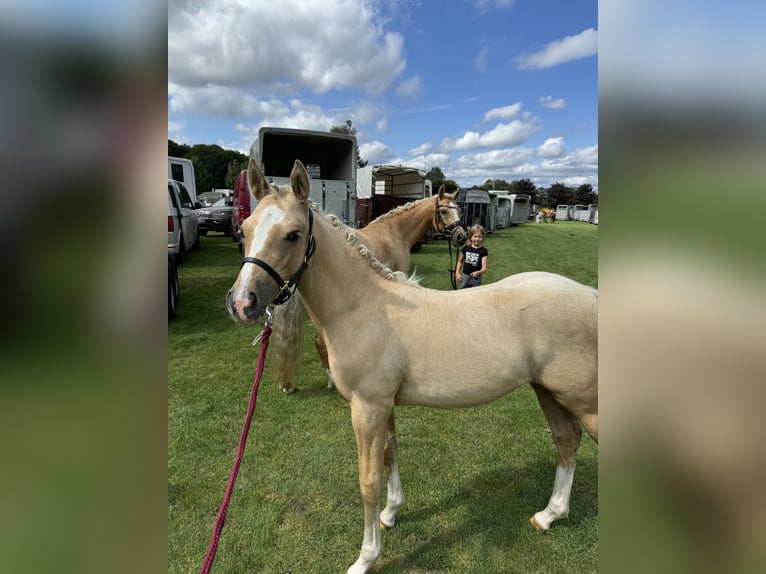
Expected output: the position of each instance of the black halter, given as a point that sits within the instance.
(287, 288)
(448, 230)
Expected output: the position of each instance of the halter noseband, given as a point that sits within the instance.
(287, 288)
(446, 229)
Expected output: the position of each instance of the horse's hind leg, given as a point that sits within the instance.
(287, 340)
(566, 431)
(395, 494)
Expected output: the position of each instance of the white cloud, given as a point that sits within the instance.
(504, 113)
(552, 147)
(409, 88)
(581, 166)
(554, 104)
(421, 149)
(503, 134)
(375, 152)
(286, 45)
(583, 45)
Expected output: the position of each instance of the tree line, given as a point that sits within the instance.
(556, 194)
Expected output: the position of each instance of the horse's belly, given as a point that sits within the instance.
(463, 390)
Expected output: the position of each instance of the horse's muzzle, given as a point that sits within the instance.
(241, 309)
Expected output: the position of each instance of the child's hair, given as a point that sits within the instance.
(477, 229)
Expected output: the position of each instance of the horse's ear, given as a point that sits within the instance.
(299, 181)
(256, 180)
(442, 189)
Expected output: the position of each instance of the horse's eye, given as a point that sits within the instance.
(293, 237)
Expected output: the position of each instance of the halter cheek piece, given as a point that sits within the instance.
(287, 288)
(447, 229)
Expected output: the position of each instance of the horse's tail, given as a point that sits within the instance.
(287, 342)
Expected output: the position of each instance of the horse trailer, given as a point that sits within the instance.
(503, 209)
(329, 158)
(520, 205)
(475, 204)
(562, 212)
(381, 188)
(580, 213)
(182, 169)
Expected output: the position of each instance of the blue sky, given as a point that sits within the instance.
(482, 89)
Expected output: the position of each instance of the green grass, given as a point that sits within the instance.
(472, 477)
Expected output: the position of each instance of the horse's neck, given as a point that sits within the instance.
(406, 226)
(338, 277)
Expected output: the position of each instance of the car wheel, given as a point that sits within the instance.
(181, 255)
(172, 287)
(228, 230)
(203, 231)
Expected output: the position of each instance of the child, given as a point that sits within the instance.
(473, 259)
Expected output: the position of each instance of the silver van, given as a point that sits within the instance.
(183, 223)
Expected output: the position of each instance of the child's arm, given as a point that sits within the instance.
(483, 269)
(459, 266)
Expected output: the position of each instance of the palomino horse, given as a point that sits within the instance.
(390, 238)
(363, 309)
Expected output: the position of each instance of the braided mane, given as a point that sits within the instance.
(353, 241)
(406, 207)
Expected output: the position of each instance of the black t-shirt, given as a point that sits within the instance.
(472, 258)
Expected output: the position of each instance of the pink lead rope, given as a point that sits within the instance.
(221, 518)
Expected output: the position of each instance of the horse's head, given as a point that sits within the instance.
(277, 244)
(447, 217)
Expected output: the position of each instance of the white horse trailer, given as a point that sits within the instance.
(580, 213)
(562, 212)
(593, 214)
(520, 205)
(381, 188)
(503, 209)
(182, 169)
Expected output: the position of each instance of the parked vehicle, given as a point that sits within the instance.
(243, 204)
(182, 170)
(329, 158)
(520, 208)
(183, 226)
(216, 217)
(173, 291)
(380, 188)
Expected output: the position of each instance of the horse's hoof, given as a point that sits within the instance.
(289, 390)
(533, 521)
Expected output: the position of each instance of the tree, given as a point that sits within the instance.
(436, 175)
(178, 150)
(560, 194)
(350, 130)
(235, 167)
(585, 195)
(523, 186)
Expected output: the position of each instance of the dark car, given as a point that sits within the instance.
(216, 217)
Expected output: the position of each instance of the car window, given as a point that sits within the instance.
(172, 196)
(221, 203)
(185, 198)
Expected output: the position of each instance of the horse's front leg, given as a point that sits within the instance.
(395, 494)
(370, 423)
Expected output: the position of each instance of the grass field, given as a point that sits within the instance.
(472, 477)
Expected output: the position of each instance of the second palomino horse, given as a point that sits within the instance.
(363, 309)
(390, 238)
